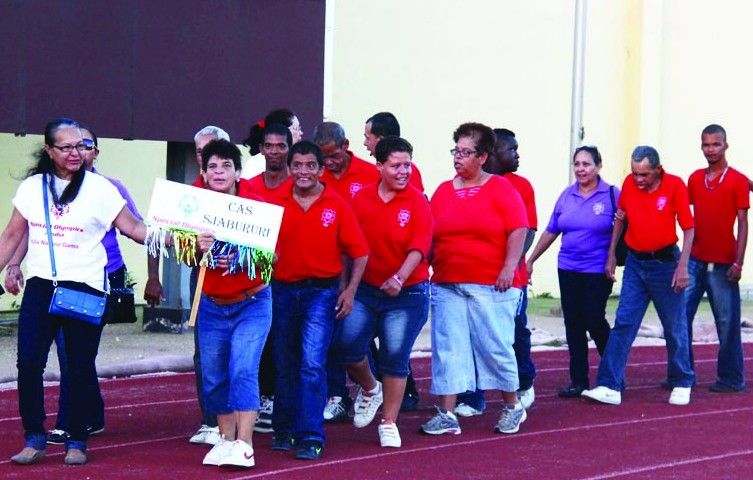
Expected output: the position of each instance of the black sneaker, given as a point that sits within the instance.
(283, 442)
(57, 437)
(309, 450)
(722, 388)
(95, 430)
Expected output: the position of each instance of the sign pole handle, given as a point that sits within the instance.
(197, 297)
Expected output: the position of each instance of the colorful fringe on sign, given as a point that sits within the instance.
(240, 257)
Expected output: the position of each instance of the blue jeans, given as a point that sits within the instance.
(303, 321)
(206, 419)
(396, 321)
(724, 298)
(645, 280)
(231, 338)
(36, 330)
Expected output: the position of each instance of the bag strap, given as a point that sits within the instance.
(49, 236)
(611, 197)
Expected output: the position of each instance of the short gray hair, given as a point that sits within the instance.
(644, 151)
(329, 132)
(216, 132)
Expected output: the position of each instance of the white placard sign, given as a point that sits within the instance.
(229, 218)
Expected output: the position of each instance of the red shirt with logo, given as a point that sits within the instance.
(311, 242)
(524, 188)
(216, 283)
(715, 209)
(392, 230)
(270, 195)
(359, 174)
(471, 226)
(651, 215)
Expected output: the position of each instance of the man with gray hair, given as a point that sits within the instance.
(655, 270)
(343, 171)
(202, 137)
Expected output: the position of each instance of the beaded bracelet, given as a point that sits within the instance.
(398, 280)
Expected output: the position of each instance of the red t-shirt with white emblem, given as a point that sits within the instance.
(310, 242)
(359, 174)
(392, 229)
(270, 195)
(715, 210)
(651, 215)
(524, 188)
(471, 227)
(216, 283)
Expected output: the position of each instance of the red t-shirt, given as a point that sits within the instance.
(311, 242)
(216, 284)
(525, 190)
(415, 179)
(270, 195)
(471, 227)
(359, 174)
(651, 216)
(199, 182)
(715, 211)
(393, 229)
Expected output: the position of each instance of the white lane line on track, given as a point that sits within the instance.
(660, 466)
(493, 439)
(120, 407)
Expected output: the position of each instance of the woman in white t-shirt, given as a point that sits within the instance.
(83, 206)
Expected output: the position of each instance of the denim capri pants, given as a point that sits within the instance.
(472, 335)
(396, 321)
(231, 339)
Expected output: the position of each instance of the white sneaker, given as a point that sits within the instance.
(366, 407)
(389, 436)
(603, 395)
(680, 396)
(239, 454)
(465, 410)
(527, 397)
(206, 435)
(335, 410)
(218, 452)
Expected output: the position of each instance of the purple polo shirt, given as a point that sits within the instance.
(586, 228)
(110, 241)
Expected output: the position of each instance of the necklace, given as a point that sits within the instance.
(721, 178)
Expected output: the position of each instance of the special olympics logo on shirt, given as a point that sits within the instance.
(355, 187)
(403, 217)
(58, 211)
(328, 217)
(661, 202)
(598, 208)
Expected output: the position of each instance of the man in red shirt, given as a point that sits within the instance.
(343, 171)
(504, 161)
(651, 202)
(381, 125)
(318, 229)
(719, 195)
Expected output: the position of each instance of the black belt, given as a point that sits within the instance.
(663, 254)
(314, 282)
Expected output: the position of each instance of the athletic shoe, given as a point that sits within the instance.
(335, 410)
(57, 437)
(28, 455)
(389, 436)
(680, 396)
(603, 395)
(572, 391)
(511, 418)
(442, 422)
(238, 454)
(309, 450)
(206, 435)
(283, 442)
(526, 397)
(218, 452)
(723, 388)
(74, 456)
(465, 410)
(264, 418)
(95, 430)
(366, 406)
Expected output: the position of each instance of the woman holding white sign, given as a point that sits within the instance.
(61, 204)
(235, 315)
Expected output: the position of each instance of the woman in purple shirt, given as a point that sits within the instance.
(583, 215)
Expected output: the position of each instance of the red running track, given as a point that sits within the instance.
(149, 420)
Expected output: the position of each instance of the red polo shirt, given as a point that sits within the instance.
(270, 195)
(216, 283)
(525, 190)
(415, 179)
(715, 210)
(311, 242)
(392, 230)
(471, 227)
(359, 174)
(651, 216)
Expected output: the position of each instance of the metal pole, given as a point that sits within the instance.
(577, 131)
